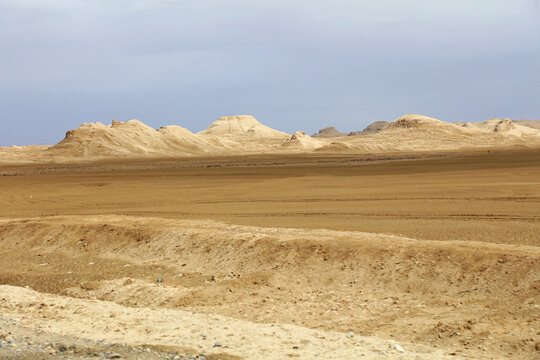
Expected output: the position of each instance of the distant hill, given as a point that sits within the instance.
(244, 135)
(329, 132)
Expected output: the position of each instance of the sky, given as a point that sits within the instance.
(294, 65)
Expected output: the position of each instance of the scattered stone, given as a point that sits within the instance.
(398, 348)
(114, 356)
(217, 345)
(62, 348)
(350, 334)
(159, 280)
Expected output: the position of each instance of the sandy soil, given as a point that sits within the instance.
(276, 257)
(490, 196)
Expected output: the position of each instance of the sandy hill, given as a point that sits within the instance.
(371, 129)
(128, 138)
(175, 131)
(244, 135)
(501, 126)
(301, 141)
(419, 133)
(423, 128)
(329, 132)
(535, 124)
(241, 126)
(418, 122)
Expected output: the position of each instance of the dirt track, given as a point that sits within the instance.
(454, 263)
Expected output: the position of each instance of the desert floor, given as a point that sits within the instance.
(265, 257)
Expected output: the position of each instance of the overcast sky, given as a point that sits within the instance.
(294, 65)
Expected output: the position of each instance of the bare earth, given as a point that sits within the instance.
(428, 256)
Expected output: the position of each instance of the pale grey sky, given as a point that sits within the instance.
(294, 65)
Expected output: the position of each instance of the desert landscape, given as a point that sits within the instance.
(243, 135)
(411, 239)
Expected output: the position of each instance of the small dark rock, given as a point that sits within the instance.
(218, 345)
(114, 356)
(159, 280)
(62, 348)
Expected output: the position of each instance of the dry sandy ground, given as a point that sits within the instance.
(490, 196)
(212, 335)
(441, 255)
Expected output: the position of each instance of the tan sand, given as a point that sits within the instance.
(93, 319)
(442, 258)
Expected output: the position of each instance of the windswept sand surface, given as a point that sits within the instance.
(277, 257)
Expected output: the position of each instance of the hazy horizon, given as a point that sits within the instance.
(300, 65)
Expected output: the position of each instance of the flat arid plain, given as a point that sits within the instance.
(324, 252)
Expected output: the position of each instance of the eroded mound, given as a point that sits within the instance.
(502, 127)
(244, 135)
(300, 140)
(329, 132)
(128, 138)
(535, 124)
(371, 129)
(241, 126)
(412, 121)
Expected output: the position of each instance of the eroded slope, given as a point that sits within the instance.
(462, 296)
